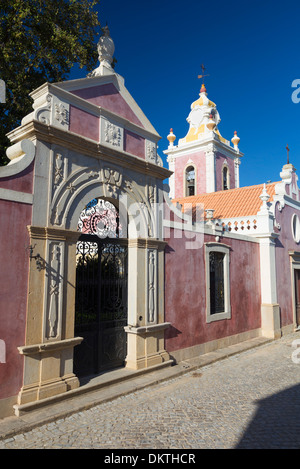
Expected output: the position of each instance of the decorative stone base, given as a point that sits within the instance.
(38, 391)
(146, 346)
(48, 370)
(147, 362)
(270, 321)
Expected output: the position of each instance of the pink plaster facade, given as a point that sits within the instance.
(88, 125)
(198, 160)
(185, 293)
(108, 97)
(134, 144)
(22, 182)
(14, 239)
(181, 164)
(222, 160)
(83, 123)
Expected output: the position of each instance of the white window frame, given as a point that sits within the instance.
(223, 248)
(295, 226)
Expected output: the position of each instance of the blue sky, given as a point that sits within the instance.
(251, 50)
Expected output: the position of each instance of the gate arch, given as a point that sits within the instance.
(103, 182)
(101, 290)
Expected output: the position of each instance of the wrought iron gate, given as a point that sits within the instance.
(101, 304)
(217, 298)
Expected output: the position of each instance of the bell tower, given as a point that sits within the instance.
(203, 161)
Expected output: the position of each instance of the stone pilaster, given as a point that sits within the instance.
(49, 341)
(146, 326)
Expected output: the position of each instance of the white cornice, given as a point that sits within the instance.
(286, 200)
(83, 145)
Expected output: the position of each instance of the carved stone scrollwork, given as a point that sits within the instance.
(277, 225)
(57, 216)
(58, 170)
(152, 155)
(65, 187)
(113, 179)
(151, 285)
(151, 152)
(111, 183)
(54, 282)
(151, 194)
(112, 134)
(61, 114)
(279, 206)
(151, 215)
(159, 161)
(43, 115)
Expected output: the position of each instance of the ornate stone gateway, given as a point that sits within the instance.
(101, 291)
(96, 213)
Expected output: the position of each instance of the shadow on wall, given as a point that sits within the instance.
(172, 332)
(276, 424)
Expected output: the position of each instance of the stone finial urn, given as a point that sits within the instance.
(106, 48)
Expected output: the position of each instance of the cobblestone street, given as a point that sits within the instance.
(251, 400)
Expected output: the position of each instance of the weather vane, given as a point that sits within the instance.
(288, 151)
(202, 76)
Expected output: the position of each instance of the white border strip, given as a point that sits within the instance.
(15, 196)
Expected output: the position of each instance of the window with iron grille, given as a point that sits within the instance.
(217, 281)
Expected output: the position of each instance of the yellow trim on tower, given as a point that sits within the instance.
(199, 102)
(222, 138)
(193, 133)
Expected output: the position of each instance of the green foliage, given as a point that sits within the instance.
(40, 40)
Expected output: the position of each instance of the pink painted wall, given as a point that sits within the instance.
(134, 144)
(220, 160)
(181, 163)
(296, 191)
(83, 123)
(13, 291)
(185, 293)
(284, 243)
(108, 97)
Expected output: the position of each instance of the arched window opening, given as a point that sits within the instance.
(225, 178)
(190, 181)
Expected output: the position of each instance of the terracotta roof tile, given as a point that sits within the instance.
(240, 202)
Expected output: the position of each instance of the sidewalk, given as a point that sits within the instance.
(109, 386)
